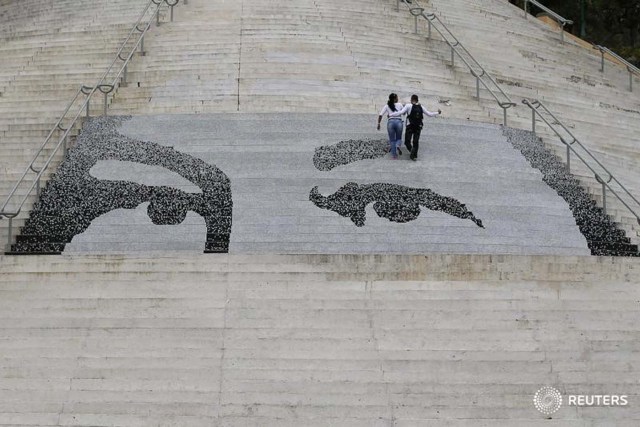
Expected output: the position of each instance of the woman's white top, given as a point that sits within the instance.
(386, 110)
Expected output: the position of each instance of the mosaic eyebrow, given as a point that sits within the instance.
(397, 203)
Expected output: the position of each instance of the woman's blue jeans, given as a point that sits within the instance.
(394, 128)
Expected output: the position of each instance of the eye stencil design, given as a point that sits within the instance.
(73, 198)
(397, 203)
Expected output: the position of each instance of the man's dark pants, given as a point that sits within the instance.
(412, 146)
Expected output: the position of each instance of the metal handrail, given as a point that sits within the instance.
(632, 69)
(559, 19)
(88, 91)
(535, 107)
(458, 49)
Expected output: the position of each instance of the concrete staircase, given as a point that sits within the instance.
(440, 340)
(314, 56)
(257, 339)
(300, 56)
(533, 63)
(49, 50)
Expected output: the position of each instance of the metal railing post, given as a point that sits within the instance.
(429, 30)
(533, 121)
(124, 76)
(478, 88)
(38, 187)
(559, 19)
(65, 141)
(158, 17)
(171, 4)
(632, 69)
(452, 57)
(416, 12)
(142, 53)
(9, 233)
(504, 110)
(106, 89)
(88, 105)
(604, 193)
(568, 157)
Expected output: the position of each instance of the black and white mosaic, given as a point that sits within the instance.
(73, 198)
(112, 170)
(394, 202)
(328, 157)
(602, 235)
(397, 203)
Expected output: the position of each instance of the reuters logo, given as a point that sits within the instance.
(547, 400)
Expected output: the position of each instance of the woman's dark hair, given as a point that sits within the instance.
(392, 101)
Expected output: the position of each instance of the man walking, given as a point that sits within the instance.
(415, 114)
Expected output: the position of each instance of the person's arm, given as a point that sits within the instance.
(430, 114)
(399, 113)
(384, 110)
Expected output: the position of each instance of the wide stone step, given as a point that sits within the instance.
(343, 336)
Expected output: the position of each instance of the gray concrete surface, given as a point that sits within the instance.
(266, 340)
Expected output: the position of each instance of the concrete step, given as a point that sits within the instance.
(337, 339)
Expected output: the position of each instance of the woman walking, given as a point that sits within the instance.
(394, 124)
